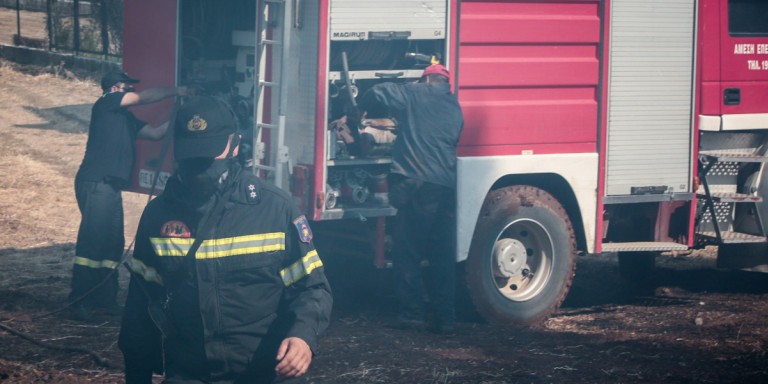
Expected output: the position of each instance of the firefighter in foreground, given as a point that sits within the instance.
(104, 172)
(226, 284)
(422, 186)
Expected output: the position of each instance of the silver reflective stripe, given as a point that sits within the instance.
(301, 268)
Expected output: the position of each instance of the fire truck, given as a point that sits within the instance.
(591, 126)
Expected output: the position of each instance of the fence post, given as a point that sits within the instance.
(18, 23)
(49, 24)
(104, 30)
(76, 35)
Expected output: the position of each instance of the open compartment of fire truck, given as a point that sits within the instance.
(363, 52)
(324, 55)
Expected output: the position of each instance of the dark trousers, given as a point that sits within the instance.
(100, 243)
(423, 230)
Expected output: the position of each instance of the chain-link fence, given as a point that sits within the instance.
(83, 27)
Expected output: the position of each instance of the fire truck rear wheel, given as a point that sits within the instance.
(523, 256)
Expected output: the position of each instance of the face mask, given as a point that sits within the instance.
(200, 177)
(128, 88)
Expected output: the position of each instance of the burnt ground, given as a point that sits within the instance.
(693, 324)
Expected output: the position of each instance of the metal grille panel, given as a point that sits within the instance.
(723, 214)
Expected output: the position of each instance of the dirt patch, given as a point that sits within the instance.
(693, 323)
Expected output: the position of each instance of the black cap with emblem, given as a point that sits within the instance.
(113, 77)
(203, 126)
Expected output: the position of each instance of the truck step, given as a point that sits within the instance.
(728, 197)
(734, 157)
(730, 237)
(644, 246)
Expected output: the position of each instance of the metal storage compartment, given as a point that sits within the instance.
(650, 97)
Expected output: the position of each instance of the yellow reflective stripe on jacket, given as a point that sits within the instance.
(217, 248)
(171, 246)
(241, 245)
(79, 260)
(148, 273)
(301, 268)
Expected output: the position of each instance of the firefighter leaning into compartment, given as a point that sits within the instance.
(422, 186)
(226, 284)
(104, 172)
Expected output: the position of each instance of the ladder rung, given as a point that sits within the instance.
(265, 125)
(734, 237)
(725, 156)
(268, 83)
(644, 246)
(270, 42)
(726, 197)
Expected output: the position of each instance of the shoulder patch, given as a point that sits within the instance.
(175, 228)
(302, 226)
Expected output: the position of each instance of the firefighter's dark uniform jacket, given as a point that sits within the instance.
(429, 121)
(257, 279)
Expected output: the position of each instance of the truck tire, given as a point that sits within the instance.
(523, 256)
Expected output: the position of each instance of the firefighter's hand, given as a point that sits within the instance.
(342, 130)
(294, 356)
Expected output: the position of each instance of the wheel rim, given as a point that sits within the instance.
(522, 259)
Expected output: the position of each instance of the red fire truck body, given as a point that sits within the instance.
(627, 126)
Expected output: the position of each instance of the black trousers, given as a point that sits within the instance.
(423, 230)
(100, 243)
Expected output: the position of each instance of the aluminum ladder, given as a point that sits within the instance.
(271, 13)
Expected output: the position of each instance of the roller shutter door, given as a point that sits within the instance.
(652, 49)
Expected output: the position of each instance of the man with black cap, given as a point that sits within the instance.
(104, 172)
(422, 184)
(226, 285)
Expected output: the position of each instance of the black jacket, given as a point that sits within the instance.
(429, 121)
(109, 152)
(257, 279)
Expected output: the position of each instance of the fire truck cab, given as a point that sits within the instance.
(591, 126)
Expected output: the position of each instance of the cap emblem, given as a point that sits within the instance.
(197, 124)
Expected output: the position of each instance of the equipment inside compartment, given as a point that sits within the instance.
(218, 53)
